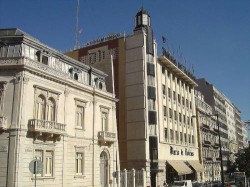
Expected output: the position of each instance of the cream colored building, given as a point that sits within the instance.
(208, 139)
(232, 141)
(216, 100)
(56, 110)
(177, 131)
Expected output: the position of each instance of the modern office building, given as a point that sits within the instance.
(216, 100)
(56, 110)
(208, 139)
(156, 103)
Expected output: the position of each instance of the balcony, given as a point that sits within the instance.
(3, 123)
(216, 145)
(209, 158)
(205, 126)
(106, 137)
(206, 143)
(46, 127)
(218, 159)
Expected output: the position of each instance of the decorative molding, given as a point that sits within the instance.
(80, 102)
(26, 80)
(46, 89)
(46, 68)
(13, 61)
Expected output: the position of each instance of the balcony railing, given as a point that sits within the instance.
(205, 126)
(52, 127)
(3, 123)
(105, 136)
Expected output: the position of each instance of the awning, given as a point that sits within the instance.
(180, 167)
(196, 165)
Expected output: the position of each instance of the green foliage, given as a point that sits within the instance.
(243, 161)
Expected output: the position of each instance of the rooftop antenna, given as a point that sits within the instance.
(76, 28)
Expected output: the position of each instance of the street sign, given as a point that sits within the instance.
(36, 166)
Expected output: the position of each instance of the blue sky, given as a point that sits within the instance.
(212, 35)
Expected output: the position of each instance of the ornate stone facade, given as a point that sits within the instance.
(51, 110)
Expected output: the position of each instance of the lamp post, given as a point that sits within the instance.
(221, 164)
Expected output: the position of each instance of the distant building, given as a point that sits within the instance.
(217, 100)
(56, 110)
(208, 139)
(231, 124)
(245, 135)
(156, 103)
(239, 129)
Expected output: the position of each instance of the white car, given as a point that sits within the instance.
(184, 183)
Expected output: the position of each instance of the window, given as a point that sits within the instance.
(79, 163)
(175, 115)
(48, 165)
(80, 113)
(41, 57)
(179, 117)
(104, 121)
(79, 116)
(163, 70)
(165, 110)
(181, 137)
(169, 93)
(45, 107)
(45, 60)
(186, 103)
(176, 136)
(183, 101)
(40, 107)
(190, 105)
(188, 121)
(171, 134)
(185, 138)
(163, 90)
(166, 134)
(174, 95)
(184, 118)
(2, 93)
(170, 113)
(45, 110)
(47, 158)
(179, 98)
(51, 109)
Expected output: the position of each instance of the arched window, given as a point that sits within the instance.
(40, 108)
(51, 107)
(104, 169)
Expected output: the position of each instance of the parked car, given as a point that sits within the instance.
(183, 183)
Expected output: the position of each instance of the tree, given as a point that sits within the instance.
(242, 162)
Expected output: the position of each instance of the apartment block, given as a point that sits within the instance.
(208, 139)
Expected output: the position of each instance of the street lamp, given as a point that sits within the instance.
(221, 164)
